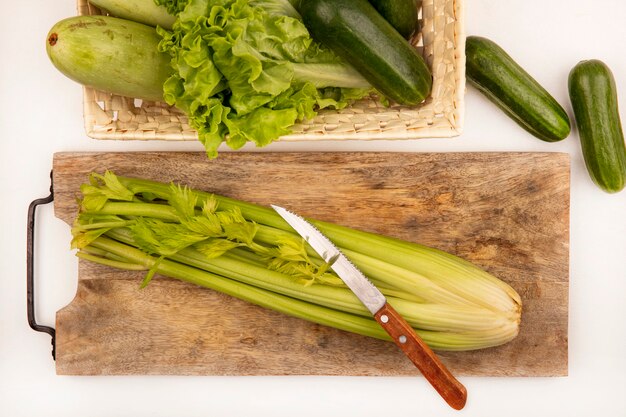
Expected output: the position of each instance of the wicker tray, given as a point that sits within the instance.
(442, 42)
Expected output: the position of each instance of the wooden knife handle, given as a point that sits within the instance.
(422, 356)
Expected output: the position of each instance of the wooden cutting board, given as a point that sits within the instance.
(506, 212)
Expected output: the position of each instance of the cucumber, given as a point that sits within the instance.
(401, 14)
(109, 54)
(354, 30)
(490, 69)
(141, 11)
(594, 99)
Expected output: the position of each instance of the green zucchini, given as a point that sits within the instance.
(141, 11)
(401, 14)
(490, 69)
(354, 30)
(594, 99)
(109, 54)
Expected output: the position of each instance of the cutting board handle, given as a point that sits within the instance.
(30, 268)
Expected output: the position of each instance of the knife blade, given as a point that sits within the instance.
(452, 391)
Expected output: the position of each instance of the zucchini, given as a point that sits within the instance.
(401, 14)
(141, 11)
(594, 99)
(354, 30)
(490, 69)
(109, 54)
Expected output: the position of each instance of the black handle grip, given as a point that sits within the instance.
(30, 268)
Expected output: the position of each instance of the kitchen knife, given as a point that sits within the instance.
(400, 331)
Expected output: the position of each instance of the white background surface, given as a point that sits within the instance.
(40, 113)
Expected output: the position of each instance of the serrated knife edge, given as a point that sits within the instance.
(366, 292)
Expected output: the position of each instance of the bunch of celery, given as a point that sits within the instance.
(249, 252)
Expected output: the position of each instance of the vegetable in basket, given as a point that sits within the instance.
(243, 73)
(359, 34)
(262, 67)
(250, 252)
(241, 70)
(109, 54)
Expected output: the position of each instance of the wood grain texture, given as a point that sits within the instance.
(506, 212)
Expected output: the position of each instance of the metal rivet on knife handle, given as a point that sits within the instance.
(422, 357)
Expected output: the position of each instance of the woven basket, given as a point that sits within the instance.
(442, 42)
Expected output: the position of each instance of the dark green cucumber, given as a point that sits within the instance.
(358, 33)
(109, 54)
(490, 69)
(401, 14)
(594, 99)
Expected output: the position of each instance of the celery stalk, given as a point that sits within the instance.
(249, 251)
(469, 281)
(425, 316)
(296, 308)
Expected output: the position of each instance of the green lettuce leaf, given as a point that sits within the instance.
(247, 71)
